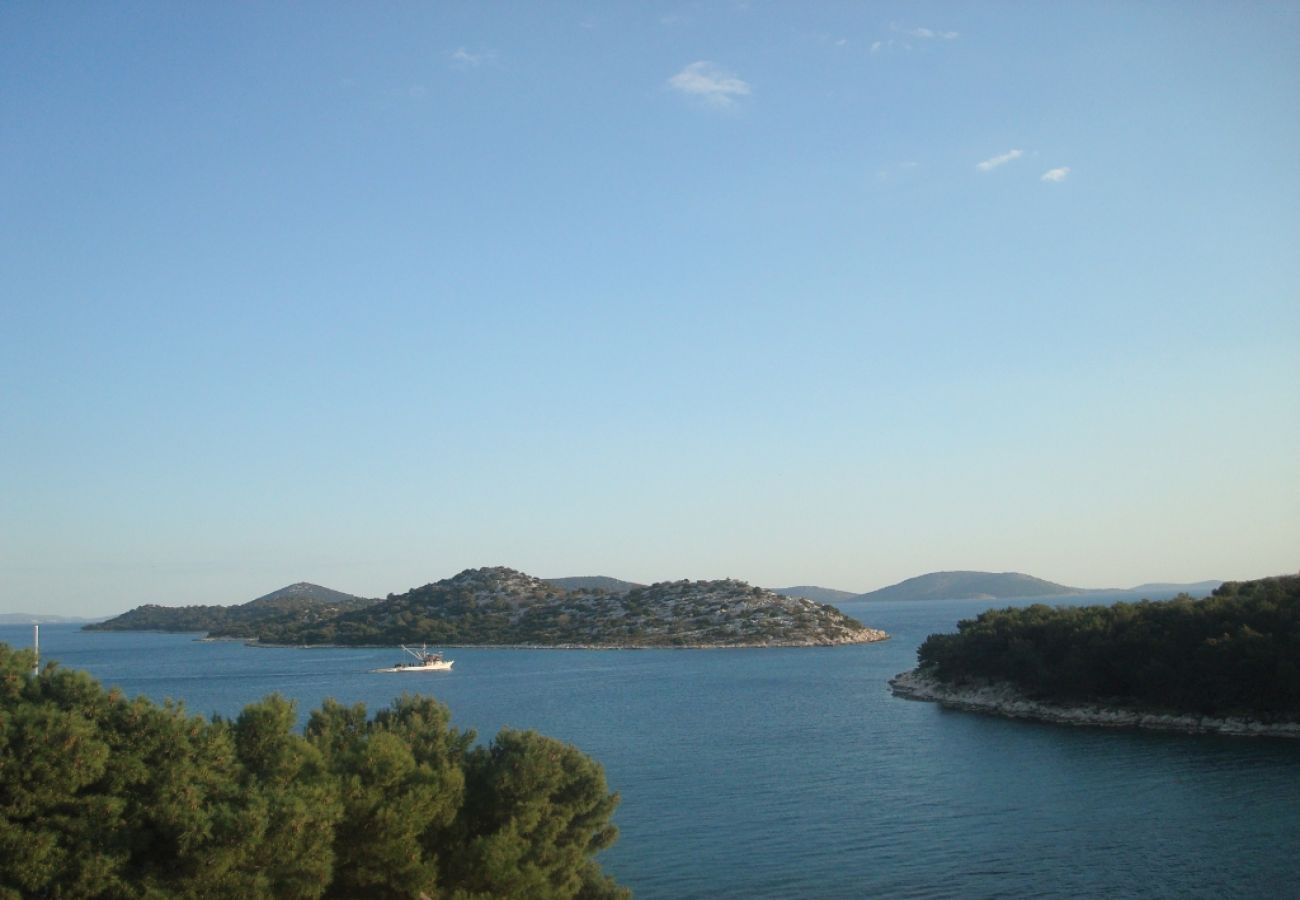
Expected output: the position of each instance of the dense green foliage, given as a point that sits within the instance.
(101, 796)
(1237, 651)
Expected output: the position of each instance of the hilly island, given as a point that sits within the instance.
(301, 603)
(1228, 663)
(498, 606)
(970, 586)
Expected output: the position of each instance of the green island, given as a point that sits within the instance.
(105, 796)
(301, 603)
(498, 606)
(1228, 663)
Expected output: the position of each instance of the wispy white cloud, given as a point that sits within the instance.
(468, 59)
(929, 34)
(1001, 159)
(907, 35)
(1057, 174)
(710, 84)
(896, 171)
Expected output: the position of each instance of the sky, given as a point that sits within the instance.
(797, 293)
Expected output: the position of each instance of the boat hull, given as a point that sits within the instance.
(444, 666)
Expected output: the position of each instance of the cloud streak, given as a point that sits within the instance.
(1057, 174)
(1001, 159)
(467, 59)
(929, 34)
(907, 35)
(710, 84)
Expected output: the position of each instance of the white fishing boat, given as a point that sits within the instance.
(425, 661)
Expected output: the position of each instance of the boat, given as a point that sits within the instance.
(425, 661)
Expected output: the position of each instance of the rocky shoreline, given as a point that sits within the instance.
(862, 636)
(1001, 699)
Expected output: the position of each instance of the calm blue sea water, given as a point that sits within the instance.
(794, 773)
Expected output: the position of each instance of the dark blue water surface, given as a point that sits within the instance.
(795, 773)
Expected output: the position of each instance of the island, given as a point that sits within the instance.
(1228, 663)
(23, 618)
(499, 606)
(816, 594)
(964, 585)
(300, 603)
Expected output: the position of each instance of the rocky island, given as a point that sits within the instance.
(1227, 664)
(499, 606)
(300, 603)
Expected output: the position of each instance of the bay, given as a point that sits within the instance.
(794, 772)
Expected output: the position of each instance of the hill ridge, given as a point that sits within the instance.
(496, 606)
(966, 584)
(301, 600)
(816, 593)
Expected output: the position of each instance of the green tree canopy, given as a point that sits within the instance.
(1236, 652)
(105, 796)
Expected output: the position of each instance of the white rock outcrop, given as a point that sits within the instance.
(1002, 699)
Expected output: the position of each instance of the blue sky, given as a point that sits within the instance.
(820, 293)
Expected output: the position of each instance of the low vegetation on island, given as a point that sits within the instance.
(498, 606)
(300, 603)
(105, 796)
(501, 606)
(1235, 653)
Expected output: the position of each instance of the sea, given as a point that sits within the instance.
(794, 773)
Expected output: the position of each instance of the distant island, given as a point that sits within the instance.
(22, 618)
(499, 606)
(816, 594)
(970, 586)
(965, 585)
(1229, 663)
(300, 603)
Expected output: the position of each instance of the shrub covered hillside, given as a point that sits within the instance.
(1235, 652)
(103, 796)
(501, 606)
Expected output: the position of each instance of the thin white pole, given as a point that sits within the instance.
(36, 645)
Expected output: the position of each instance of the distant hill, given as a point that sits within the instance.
(970, 586)
(593, 583)
(499, 606)
(303, 592)
(815, 594)
(302, 602)
(42, 619)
